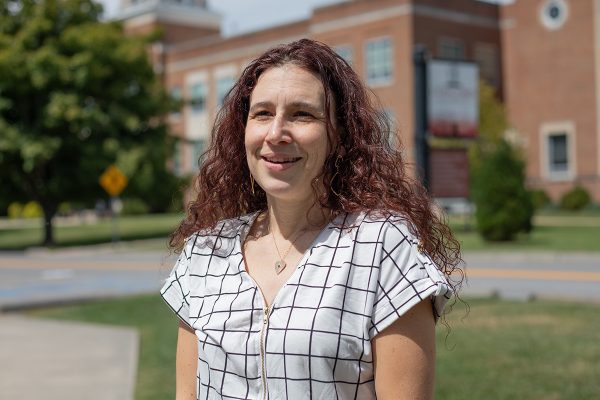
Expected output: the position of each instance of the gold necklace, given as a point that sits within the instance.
(281, 264)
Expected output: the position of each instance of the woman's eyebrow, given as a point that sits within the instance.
(260, 104)
(295, 105)
(316, 108)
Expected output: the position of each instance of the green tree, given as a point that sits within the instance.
(76, 95)
(503, 204)
(493, 123)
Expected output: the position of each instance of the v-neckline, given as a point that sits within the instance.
(241, 238)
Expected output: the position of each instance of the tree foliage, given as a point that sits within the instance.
(76, 95)
(493, 123)
(503, 204)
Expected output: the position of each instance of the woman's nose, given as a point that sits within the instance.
(279, 131)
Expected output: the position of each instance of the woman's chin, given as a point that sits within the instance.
(286, 192)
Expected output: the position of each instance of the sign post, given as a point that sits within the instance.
(113, 181)
(420, 58)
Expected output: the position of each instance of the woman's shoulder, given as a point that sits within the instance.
(382, 222)
(225, 229)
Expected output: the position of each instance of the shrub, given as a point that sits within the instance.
(134, 206)
(503, 205)
(539, 198)
(575, 199)
(64, 208)
(14, 210)
(32, 209)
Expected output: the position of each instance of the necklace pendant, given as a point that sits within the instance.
(279, 266)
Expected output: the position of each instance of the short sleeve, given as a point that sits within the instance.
(406, 277)
(176, 289)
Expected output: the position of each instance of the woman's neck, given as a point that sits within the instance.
(285, 218)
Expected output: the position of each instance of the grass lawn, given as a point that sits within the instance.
(500, 350)
(556, 231)
(129, 228)
(542, 238)
(515, 350)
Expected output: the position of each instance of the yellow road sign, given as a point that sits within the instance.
(113, 181)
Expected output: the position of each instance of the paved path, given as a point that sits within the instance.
(570, 276)
(54, 360)
(40, 278)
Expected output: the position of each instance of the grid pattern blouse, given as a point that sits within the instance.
(314, 341)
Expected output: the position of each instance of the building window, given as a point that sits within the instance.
(345, 51)
(486, 56)
(451, 49)
(558, 159)
(224, 85)
(176, 97)
(177, 158)
(390, 118)
(198, 148)
(198, 97)
(379, 61)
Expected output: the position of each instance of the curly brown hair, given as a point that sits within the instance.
(363, 172)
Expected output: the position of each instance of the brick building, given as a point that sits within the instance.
(551, 54)
(551, 99)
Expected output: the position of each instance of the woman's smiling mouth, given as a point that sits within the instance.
(279, 163)
(280, 159)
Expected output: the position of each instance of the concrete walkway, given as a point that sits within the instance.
(56, 360)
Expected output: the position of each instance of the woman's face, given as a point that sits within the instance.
(286, 133)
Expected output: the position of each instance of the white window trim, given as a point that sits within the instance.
(175, 116)
(390, 115)
(206, 93)
(197, 124)
(549, 23)
(379, 82)
(193, 157)
(549, 129)
(191, 79)
(178, 160)
(224, 71)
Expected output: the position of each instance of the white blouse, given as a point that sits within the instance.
(314, 341)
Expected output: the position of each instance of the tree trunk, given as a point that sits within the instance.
(49, 211)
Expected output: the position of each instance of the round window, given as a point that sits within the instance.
(554, 13)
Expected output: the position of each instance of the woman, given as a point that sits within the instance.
(309, 257)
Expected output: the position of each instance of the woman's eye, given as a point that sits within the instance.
(261, 114)
(303, 114)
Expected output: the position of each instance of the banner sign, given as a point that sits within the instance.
(452, 98)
